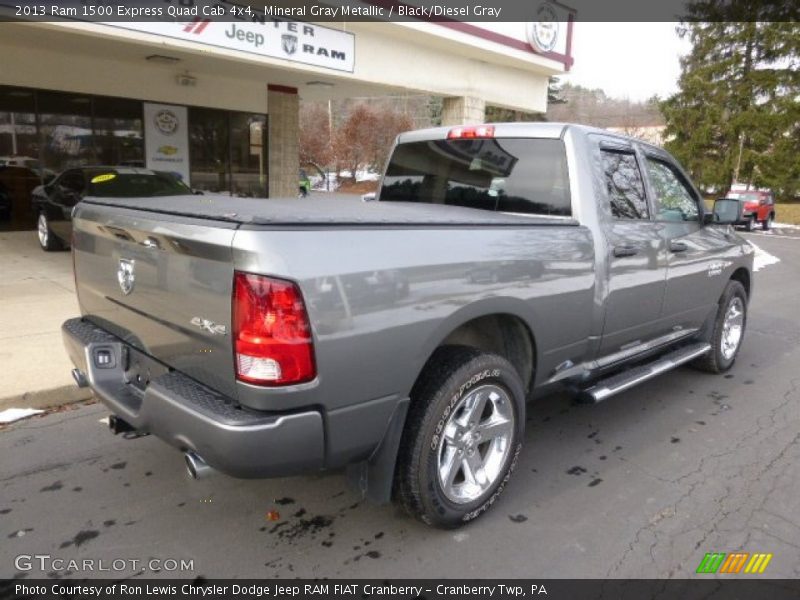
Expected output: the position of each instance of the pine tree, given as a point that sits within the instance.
(737, 114)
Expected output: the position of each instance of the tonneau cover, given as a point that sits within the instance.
(332, 210)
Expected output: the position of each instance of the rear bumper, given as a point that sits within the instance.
(190, 416)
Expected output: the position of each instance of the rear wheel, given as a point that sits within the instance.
(750, 225)
(767, 224)
(728, 332)
(47, 240)
(462, 437)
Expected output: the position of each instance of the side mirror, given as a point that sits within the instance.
(370, 197)
(727, 211)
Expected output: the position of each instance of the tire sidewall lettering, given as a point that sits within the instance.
(474, 514)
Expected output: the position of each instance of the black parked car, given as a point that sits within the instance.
(53, 202)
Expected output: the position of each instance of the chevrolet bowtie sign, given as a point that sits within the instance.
(288, 40)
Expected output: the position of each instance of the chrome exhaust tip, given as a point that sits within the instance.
(80, 378)
(196, 467)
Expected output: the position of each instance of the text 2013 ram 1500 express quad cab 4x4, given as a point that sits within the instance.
(402, 337)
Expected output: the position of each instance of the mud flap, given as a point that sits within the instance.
(373, 478)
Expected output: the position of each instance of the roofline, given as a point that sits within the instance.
(534, 129)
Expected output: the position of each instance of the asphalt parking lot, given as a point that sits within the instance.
(640, 486)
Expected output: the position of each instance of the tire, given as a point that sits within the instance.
(721, 358)
(766, 225)
(47, 239)
(750, 224)
(455, 377)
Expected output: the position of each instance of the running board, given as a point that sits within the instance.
(605, 388)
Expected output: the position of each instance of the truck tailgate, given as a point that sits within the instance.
(161, 283)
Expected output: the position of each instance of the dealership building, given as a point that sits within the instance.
(217, 101)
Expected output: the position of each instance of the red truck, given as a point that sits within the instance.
(759, 207)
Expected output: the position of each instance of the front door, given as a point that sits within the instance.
(695, 253)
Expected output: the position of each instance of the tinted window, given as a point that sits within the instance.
(676, 202)
(135, 183)
(72, 181)
(625, 185)
(525, 176)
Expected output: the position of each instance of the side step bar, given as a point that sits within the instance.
(605, 388)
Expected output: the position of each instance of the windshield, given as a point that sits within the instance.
(520, 176)
(136, 183)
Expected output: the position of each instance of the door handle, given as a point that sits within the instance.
(625, 250)
(678, 247)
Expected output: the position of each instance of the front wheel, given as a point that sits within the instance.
(750, 225)
(47, 240)
(462, 437)
(766, 225)
(728, 332)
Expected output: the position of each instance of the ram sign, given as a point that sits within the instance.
(289, 40)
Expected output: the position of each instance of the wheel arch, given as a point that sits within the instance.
(501, 326)
(742, 275)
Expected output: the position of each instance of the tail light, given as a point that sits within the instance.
(272, 333)
(471, 132)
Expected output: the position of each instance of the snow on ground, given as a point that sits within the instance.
(10, 415)
(762, 258)
(785, 226)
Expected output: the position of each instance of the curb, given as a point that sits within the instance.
(49, 398)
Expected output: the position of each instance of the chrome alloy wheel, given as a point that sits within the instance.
(476, 441)
(42, 230)
(732, 328)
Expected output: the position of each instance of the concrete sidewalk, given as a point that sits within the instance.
(37, 294)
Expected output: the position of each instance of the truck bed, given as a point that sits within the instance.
(335, 210)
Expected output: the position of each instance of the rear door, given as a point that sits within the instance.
(162, 283)
(637, 254)
(695, 253)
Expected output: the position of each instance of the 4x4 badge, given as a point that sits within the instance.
(209, 326)
(126, 275)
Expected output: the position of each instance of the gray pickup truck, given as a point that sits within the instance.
(402, 338)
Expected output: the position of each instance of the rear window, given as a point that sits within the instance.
(519, 176)
(135, 184)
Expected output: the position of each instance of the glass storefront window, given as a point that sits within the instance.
(17, 124)
(226, 152)
(20, 171)
(118, 132)
(208, 150)
(65, 130)
(43, 133)
(248, 169)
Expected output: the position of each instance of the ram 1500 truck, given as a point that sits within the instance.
(401, 338)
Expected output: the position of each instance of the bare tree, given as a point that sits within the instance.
(315, 135)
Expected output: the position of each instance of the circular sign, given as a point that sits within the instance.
(166, 121)
(543, 34)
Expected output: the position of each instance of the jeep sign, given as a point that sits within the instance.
(289, 40)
